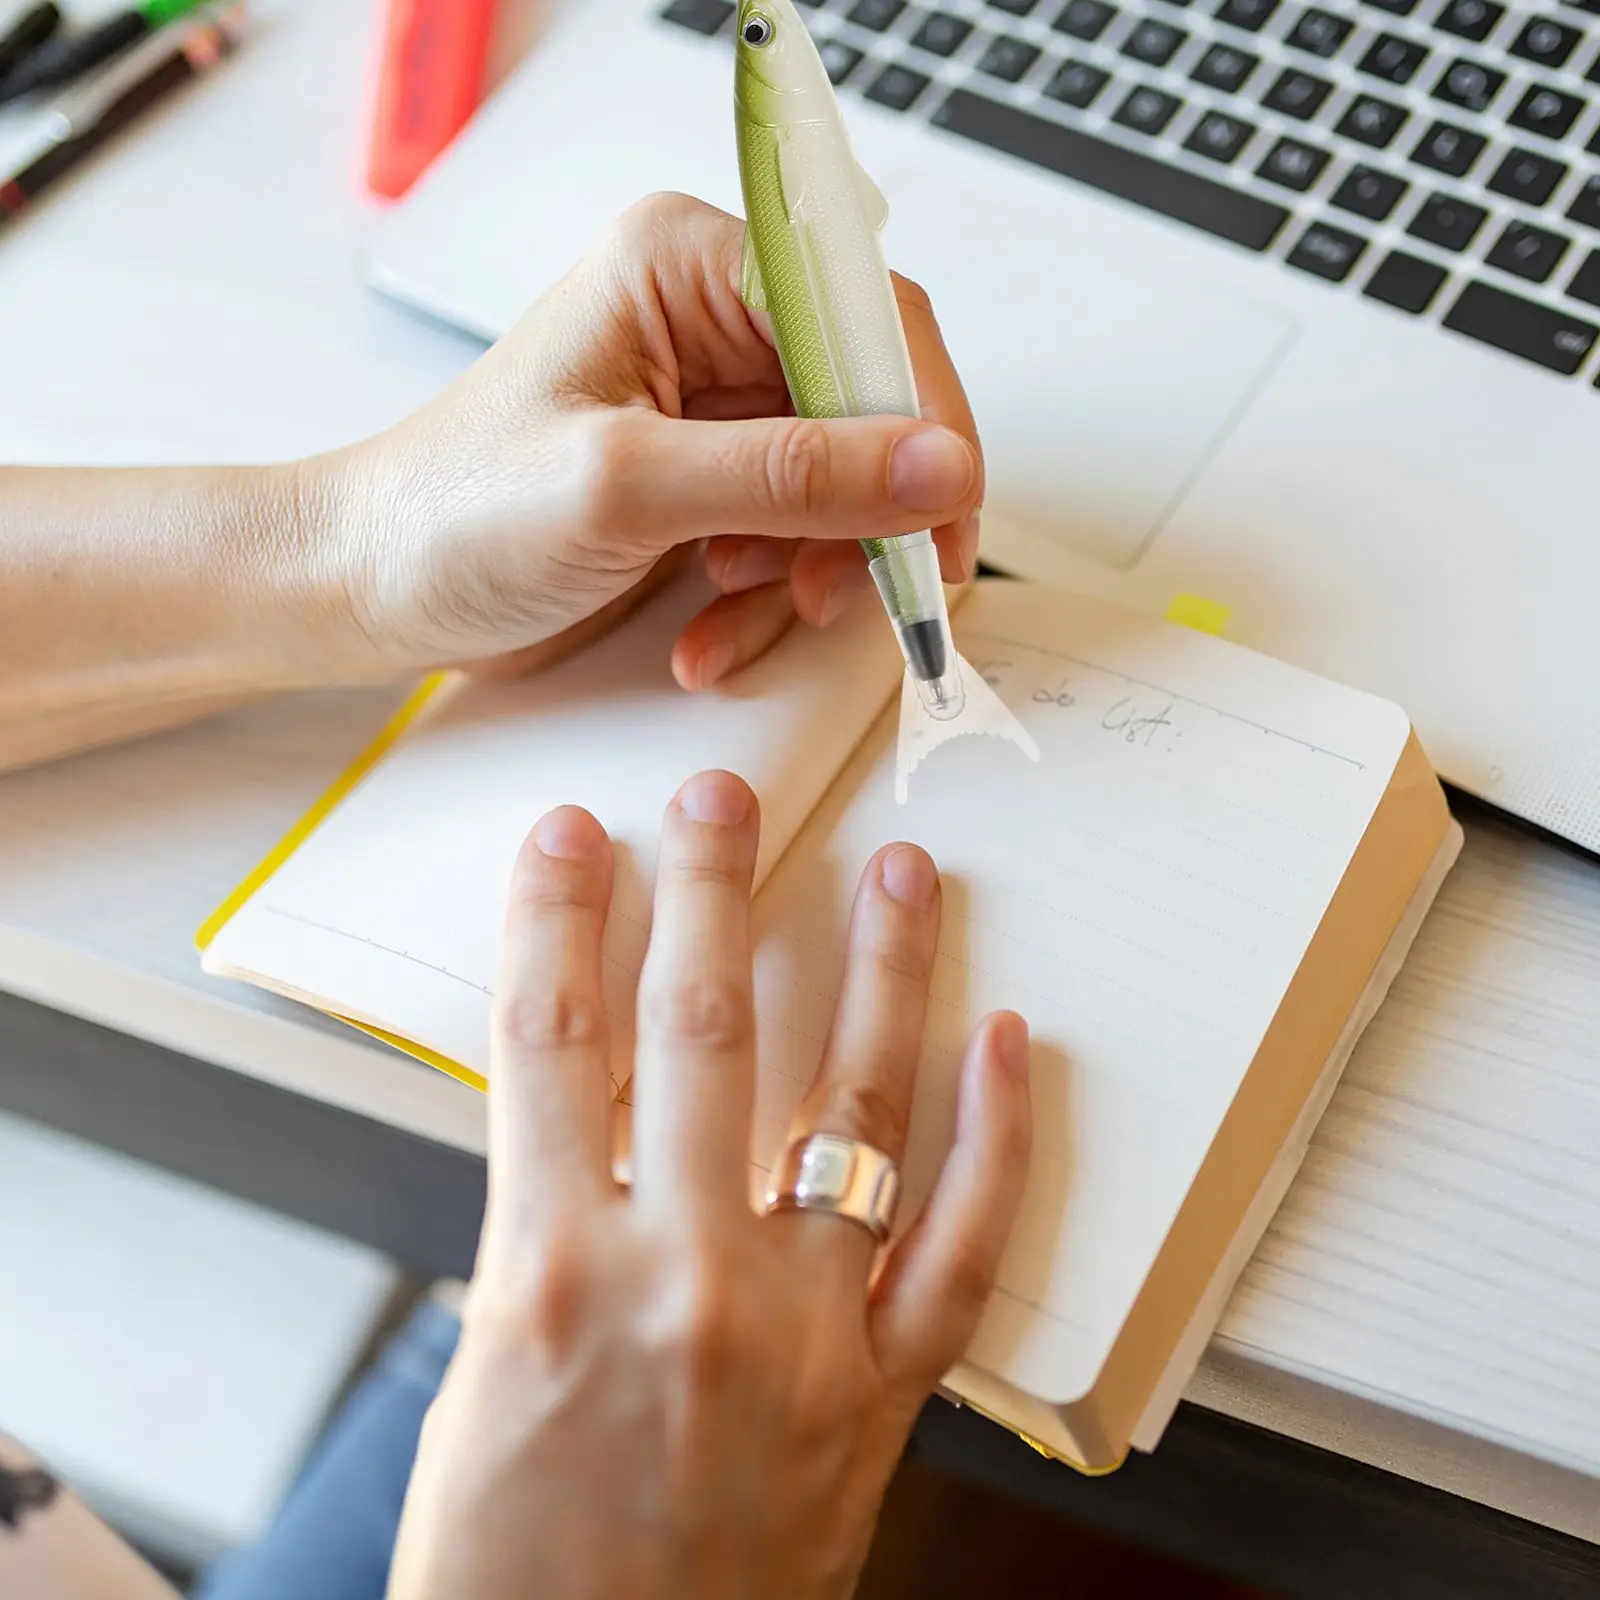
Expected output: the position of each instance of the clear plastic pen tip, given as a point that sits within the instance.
(943, 697)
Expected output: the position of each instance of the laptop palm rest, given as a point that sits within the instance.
(1101, 382)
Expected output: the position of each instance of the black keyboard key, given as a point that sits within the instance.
(1401, 8)
(1448, 149)
(1447, 222)
(898, 88)
(1586, 207)
(1531, 253)
(1222, 67)
(1319, 32)
(1009, 59)
(1147, 110)
(1293, 165)
(1546, 111)
(1331, 253)
(876, 14)
(1247, 14)
(1219, 137)
(941, 34)
(1585, 283)
(1405, 282)
(1469, 19)
(1393, 59)
(1077, 84)
(1297, 94)
(1369, 193)
(1546, 41)
(1217, 208)
(1085, 19)
(1154, 43)
(1372, 121)
(1017, 8)
(839, 58)
(1528, 177)
(1520, 328)
(1465, 83)
(704, 16)
(1593, 74)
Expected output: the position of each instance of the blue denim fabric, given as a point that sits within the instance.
(334, 1536)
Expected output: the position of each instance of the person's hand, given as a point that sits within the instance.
(660, 1393)
(637, 411)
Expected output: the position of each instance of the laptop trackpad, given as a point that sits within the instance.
(1101, 383)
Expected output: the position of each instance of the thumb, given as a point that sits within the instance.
(788, 478)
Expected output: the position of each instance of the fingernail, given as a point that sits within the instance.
(569, 834)
(1011, 1044)
(715, 662)
(847, 588)
(715, 797)
(909, 876)
(930, 470)
(751, 568)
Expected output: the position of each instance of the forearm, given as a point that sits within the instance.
(130, 600)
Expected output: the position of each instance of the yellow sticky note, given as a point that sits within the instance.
(1193, 611)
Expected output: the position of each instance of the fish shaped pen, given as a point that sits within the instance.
(814, 262)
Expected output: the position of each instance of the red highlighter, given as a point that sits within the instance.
(433, 55)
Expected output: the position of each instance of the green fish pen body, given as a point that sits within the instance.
(785, 285)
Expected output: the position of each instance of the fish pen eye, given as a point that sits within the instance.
(756, 31)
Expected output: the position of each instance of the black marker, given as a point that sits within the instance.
(66, 56)
(80, 122)
(30, 30)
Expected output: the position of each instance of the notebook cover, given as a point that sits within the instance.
(420, 699)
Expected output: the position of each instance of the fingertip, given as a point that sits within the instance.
(995, 1102)
(686, 665)
(721, 798)
(569, 833)
(851, 583)
(715, 662)
(736, 566)
(1010, 1041)
(932, 469)
(825, 578)
(701, 656)
(908, 876)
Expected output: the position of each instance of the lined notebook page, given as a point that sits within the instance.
(1143, 895)
(391, 912)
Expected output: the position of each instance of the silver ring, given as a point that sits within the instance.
(828, 1172)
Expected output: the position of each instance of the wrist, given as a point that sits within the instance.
(326, 580)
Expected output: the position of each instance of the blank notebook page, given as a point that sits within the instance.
(392, 909)
(1143, 895)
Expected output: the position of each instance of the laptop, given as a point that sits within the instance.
(1294, 308)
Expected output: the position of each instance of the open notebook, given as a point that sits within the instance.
(1197, 896)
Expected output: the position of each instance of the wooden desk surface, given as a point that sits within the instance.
(1427, 1298)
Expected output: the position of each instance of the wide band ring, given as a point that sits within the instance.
(828, 1172)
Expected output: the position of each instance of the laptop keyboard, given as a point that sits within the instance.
(1441, 157)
